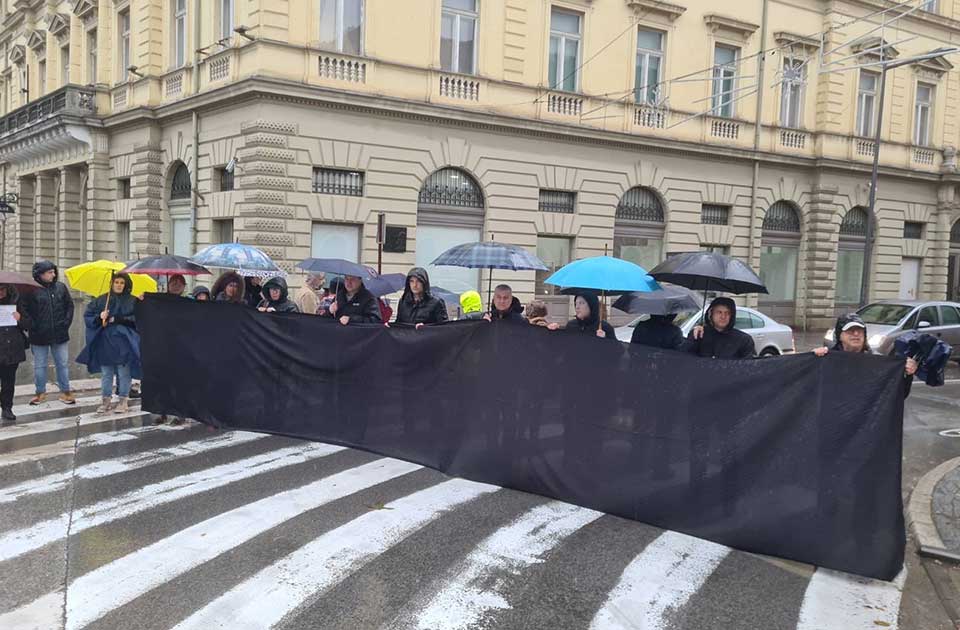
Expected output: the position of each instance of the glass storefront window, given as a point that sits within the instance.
(849, 275)
(646, 252)
(778, 270)
(433, 240)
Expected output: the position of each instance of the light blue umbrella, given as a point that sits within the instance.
(246, 260)
(605, 274)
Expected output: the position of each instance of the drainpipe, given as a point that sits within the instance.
(195, 115)
(761, 65)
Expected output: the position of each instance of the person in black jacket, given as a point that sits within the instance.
(252, 287)
(355, 304)
(586, 307)
(275, 298)
(50, 311)
(13, 346)
(658, 331)
(719, 339)
(417, 306)
(229, 287)
(505, 306)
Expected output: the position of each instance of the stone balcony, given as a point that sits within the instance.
(70, 100)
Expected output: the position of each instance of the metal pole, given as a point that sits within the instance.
(868, 244)
(761, 64)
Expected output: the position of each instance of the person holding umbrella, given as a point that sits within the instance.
(176, 284)
(505, 306)
(586, 308)
(50, 312)
(658, 331)
(13, 346)
(355, 304)
(417, 306)
(113, 345)
(275, 298)
(228, 288)
(718, 338)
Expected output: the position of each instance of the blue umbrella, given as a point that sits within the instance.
(490, 255)
(603, 273)
(387, 283)
(336, 266)
(245, 259)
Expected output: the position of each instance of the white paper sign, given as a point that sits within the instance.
(6, 315)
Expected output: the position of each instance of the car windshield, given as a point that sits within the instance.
(884, 314)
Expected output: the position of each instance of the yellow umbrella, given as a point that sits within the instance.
(94, 278)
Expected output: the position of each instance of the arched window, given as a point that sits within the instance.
(180, 187)
(955, 233)
(850, 254)
(449, 212)
(779, 254)
(953, 263)
(638, 228)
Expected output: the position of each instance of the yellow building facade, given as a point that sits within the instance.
(571, 127)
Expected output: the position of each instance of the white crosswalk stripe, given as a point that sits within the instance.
(476, 584)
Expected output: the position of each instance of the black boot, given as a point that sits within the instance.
(8, 414)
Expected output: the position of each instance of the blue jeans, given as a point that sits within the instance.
(122, 372)
(60, 357)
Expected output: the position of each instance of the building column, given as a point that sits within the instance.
(100, 226)
(45, 224)
(146, 188)
(821, 259)
(934, 277)
(69, 229)
(24, 253)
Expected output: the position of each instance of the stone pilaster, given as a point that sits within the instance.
(100, 224)
(45, 225)
(24, 253)
(69, 227)
(822, 234)
(934, 278)
(146, 188)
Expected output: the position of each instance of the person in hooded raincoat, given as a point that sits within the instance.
(50, 311)
(275, 299)
(718, 338)
(417, 306)
(471, 305)
(200, 293)
(586, 307)
(228, 288)
(252, 286)
(13, 350)
(113, 345)
(505, 307)
(658, 331)
(850, 335)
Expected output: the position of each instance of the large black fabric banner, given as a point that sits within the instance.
(797, 457)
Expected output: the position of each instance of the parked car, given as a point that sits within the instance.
(888, 319)
(769, 337)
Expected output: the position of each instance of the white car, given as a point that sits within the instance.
(769, 337)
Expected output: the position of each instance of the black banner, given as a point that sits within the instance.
(797, 457)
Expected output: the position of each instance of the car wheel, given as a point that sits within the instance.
(769, 352)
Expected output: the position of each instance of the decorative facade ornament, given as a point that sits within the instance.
(738, 28)
(37, 40)
(59, 26)
(645, 7)
(17, 54)
(949, 158)
(871, 48)
(84, 9)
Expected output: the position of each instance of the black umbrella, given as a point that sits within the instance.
(336, 266)
(387, 283)
(709, 271)
(671, 300)
(166, 265)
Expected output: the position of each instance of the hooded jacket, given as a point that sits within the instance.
(721, 344)
(13, 342)
(429, 310)
(471, 305)
(117, 343)
(198, 291)
(515, 314)
(219, 288)
(363, 308)
(283, 305)
(251, 292)
(658, 332)
(49, 308)
(590, 325)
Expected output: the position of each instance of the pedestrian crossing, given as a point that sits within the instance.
(158, 527)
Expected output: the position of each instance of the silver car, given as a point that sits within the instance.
(888, 319)
(769, 337)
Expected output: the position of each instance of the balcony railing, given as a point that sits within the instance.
(564, 105)
(792, 139)
(650, 117)
(70, 100)
(460, 88)
(343, 69)
(923, 156)
(866, 148)
(725, 129)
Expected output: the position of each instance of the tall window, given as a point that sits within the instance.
(65, 65)
(226, 19)
(930, 5)
(124, 35)
(866, 103)
(780, 251)
(42, 77)
(649, 66)
(341, 25)
(725, 60)
(179, 32)
(458, 36)
(123, 240)
(221, 231)
(791, 93)
(853, 232)
(332, 240)
(92, 56)
(554, 251)
(922, 114)
(639, 226)
(564, 50)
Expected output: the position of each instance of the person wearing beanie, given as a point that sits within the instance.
(586, 307)
(200, 293)
(50, 311)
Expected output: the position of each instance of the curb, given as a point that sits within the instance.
(60, 410)
(920, 513)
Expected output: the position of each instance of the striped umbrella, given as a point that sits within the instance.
(490, 255)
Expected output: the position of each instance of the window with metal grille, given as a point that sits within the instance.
(781, 217)
(712, 214)
(640, 204)
(912, 229)
(180, 188)
(332, 181)
(561, 201)
(451, 187)
(854, 222)
(225, 179)
(955, 233)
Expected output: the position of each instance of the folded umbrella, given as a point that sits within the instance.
(670, 301)
(246, 260)
(166, 265)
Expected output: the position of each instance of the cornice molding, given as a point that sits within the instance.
(670, 10)
(37, 39)
(59, 25)
(872, 46)
(786, 38)
(17, 54)
(716, 22)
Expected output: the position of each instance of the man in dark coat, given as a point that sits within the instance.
(251, 291)
(355, 304)
(275, 298)
(718, 338)
(505, 306)
(658, 331)
(417, 306)
(13, 345)
(50, 311)
(586, 307)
